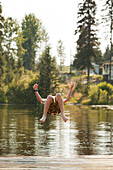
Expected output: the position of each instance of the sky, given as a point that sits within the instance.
(57, 16)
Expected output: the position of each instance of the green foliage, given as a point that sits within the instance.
(103, 97)
(10, 32)
(48, 78)
(3, 97)
(106, 86)
(2, 57)
(106, 55)
(18, 47)
(93, 94)
(63, 79)
(20, 50)
(80, 87)
(1, 27)
(101, 93)
(87, 41)
(34, 33)
(20, 90)
(86, 102)
(111, 100)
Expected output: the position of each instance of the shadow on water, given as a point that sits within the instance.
(87, 131)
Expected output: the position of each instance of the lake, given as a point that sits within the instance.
(87, 132)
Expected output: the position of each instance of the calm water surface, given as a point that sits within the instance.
(87, 132)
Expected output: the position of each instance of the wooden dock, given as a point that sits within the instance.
(87, 162)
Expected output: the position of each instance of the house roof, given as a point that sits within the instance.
(108, 62)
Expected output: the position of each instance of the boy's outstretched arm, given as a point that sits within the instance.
(38, 95)
(69, 93)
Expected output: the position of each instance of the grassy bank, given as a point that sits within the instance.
(20, 89)
(98, 92)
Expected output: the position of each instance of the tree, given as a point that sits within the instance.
(87, 43)
(109, 19)
(34, 33)
(1, 27)
(2, 58)
(61, 54)
(10, 30)
(106, 55)
(48, 77)
(20, 50)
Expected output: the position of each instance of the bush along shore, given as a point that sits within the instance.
(98, 94)
(20, 90)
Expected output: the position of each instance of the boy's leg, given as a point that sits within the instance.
(46, 107)
(61, 105)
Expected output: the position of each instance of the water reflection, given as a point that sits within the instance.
(87, 131)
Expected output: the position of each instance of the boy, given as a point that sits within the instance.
(53, 104)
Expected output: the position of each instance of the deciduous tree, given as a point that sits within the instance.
(10, 31)
(34, 33)
(61, 54)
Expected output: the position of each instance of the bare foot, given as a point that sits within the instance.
(65, 119)
(43, 119)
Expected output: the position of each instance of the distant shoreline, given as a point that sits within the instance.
(109, 107)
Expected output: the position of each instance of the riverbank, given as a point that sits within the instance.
(88, 162)
(109, 107)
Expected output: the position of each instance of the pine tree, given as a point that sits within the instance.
(87, 42)
(48, 78)
(2, 58)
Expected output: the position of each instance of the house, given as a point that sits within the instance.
(106, 70)
(92, 72)
(96, 68)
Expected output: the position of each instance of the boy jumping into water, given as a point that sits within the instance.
(53, 104)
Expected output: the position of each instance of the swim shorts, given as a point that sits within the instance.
(54, 108)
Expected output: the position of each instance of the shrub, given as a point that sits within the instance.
(3, 98)
(86, 102)
(106, 86)
(93, 94)
(3, 90)
(101, 93)
(111, 99)
(103, 98)
(80, 87)
(20, 91)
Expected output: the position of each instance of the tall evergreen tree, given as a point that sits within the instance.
(87, 42)
(109, 20)
(2, 58)
(34, 33)
(48, 77)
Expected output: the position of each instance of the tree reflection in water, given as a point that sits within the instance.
(87, 132)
